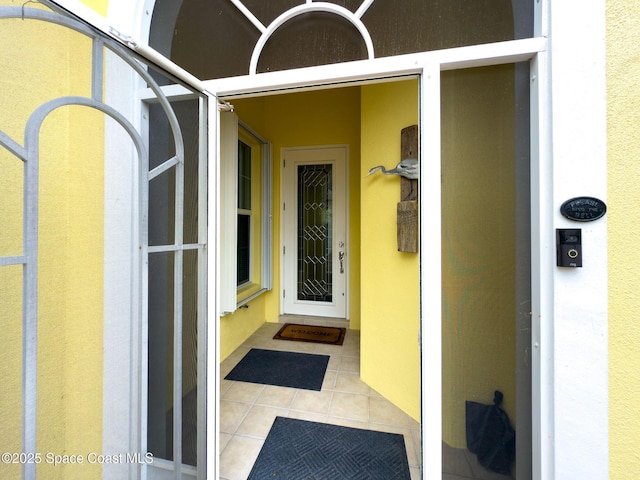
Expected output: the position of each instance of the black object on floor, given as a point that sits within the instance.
(284, 369)
(490, 435)
(302, 450)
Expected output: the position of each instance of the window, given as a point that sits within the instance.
(246, 213)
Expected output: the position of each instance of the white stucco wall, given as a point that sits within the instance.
(579, 323)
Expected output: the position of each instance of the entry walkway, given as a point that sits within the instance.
(248, 410)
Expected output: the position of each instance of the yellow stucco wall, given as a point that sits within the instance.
(71, 289)
(240, 325)
(100, 6)
(10, 277)
(390, 353)
(35, 58)
(623, 118)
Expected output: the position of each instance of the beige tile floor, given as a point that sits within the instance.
(460, 464)
(248, 410)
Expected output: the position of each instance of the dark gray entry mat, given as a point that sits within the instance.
(303, 450)
(284, 369)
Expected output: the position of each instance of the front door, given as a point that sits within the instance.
(314, 231)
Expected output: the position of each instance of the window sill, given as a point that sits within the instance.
(248, 292)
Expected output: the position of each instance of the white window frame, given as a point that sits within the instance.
(266, 230)
(247, 212)
(228, 167)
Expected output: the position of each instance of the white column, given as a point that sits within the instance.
(580, 346)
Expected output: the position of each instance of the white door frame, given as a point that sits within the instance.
(339, 306)
(427, 66)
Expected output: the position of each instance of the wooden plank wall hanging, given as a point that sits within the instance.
(407, 222)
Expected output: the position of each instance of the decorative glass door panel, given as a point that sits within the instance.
(315, 276)
(314, 231)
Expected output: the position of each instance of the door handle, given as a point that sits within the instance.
(341, 258)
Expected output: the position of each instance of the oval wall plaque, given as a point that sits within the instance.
(583, 209)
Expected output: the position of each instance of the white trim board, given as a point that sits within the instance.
(379, 69)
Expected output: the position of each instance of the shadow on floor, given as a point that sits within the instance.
(461, 464)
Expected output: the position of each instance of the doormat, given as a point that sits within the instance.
(299, 449)
(283, 369)
(311, 333)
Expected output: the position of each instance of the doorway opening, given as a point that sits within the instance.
(346, 130)
(486, 275)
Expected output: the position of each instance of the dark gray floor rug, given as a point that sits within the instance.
(302, 450)
(284, 369)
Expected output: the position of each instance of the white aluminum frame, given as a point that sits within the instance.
(427, 66)
(29, 154)
(175, 467)
(307, 7)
